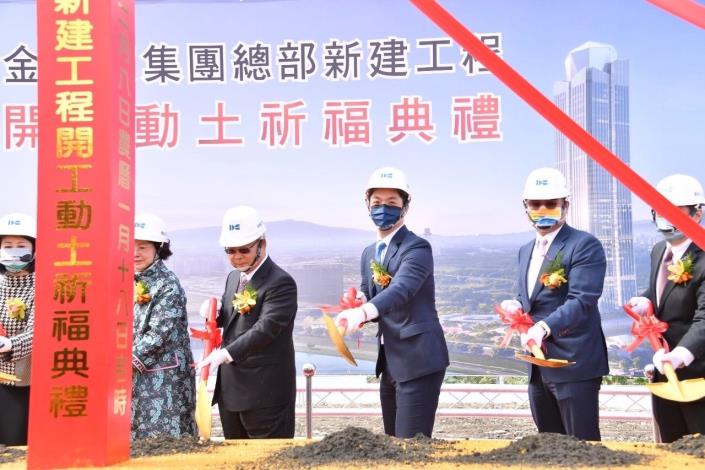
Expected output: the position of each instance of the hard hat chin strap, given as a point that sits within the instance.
(257, 257)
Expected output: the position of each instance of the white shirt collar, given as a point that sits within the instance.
(388, 239)
(548, 237)
(249, 275)
(679, 251)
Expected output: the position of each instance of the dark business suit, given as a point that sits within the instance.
(256, 393)
(565, 400)
(683, 308)
(414, 356)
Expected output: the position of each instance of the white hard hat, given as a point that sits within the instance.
(388, 177)
(544, 184)
(151, 228)
(681, 190)
(18, 224)
(241, 225)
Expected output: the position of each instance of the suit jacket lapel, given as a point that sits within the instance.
(229, 297)
(694, 251)
(256, 282)
(394, 246)
(524, 260)
(553, 250)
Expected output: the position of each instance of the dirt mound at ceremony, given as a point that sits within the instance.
(358, 446)
(164, 445)
(8, 455)
(553, 449)
(693, 444)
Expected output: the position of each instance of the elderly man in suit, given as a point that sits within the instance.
(680, 302)
(256, 384)
(397, 278)
(561, 274)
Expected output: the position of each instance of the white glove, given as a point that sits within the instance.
(5, 344)
(351, 319)
(216, 358)
(679, 357)
(510, 305)
(640, 305)
(205, 308)
(536, 334)
(359, 296)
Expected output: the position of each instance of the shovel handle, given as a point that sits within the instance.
(536, 350)
(670, 372)
(341, 330)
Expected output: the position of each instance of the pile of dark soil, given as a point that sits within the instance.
(8, 455)
(164, 445)
(359, 445)
(553, 449)
(692, 444)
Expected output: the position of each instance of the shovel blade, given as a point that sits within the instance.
(338, 340)
(681, 390)
(550, 363)
(203, 411)
(8, 377)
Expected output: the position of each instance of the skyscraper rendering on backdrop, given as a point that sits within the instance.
(596, 95)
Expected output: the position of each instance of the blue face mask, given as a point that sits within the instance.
(385, 216)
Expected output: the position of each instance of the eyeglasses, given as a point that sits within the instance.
(548, 204)
(243, 250)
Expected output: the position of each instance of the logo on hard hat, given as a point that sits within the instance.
(232, 227)
(140, 224)
(541, 182)
(14, 222)
(387, 175)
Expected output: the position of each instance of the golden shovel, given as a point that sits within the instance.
(336, 336)
(677, 390)
(8, 377)
(540, 360)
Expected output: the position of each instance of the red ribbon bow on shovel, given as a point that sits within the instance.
(211, 335)
(647, 327)
(517, 320)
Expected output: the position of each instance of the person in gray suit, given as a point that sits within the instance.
(255, 387)
(561, 274)
(679, 299)
(397, 278)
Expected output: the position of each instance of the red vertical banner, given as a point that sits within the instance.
(81, 371)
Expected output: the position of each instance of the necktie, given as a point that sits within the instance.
(543, 247)
(663, 274)
(243, 283)
(378, 251)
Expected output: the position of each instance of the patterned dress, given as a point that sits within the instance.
(17, 361)
(163, 383)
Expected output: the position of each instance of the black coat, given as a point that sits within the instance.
(683, 308)
(263, 372)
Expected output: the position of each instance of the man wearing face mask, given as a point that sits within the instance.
(412, 355)
(564, 310)
(681, 304)
(17, 238)
(256, 383)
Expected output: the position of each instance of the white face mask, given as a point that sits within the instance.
(15, 259)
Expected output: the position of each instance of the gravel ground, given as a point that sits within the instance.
(471, 428)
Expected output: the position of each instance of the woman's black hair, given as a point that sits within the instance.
(163, 250)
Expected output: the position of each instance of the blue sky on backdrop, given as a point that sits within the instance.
(457, 189)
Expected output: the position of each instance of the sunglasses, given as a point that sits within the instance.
(242, 250)
(548, 204)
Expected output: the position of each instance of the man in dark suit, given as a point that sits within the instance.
(256, 384)
(680, 302)
(412, 355)
(563, 305)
